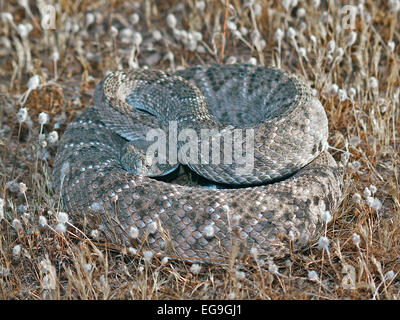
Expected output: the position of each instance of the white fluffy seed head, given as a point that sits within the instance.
(356, 239)
(43, 118)
(133, 232)
(148, 255)
(132, 251)
(22, 187)
(197, 36)
(137, 38)
(390, 275)
(6, 16)
(42, 140)
(352, 93)
(326, 217)
(22, 115)
(374, 203)
(156, 34)
(257, 9)
(55, 56)
(301, 12)
(254, 252)
(373, 82)
(391, 45)
(253, 61)
(356, 197)
(236, 218)
(339, 52)
(89, 19)
(152, 228)
(240, 275)
(169, 56)
(24, 29)
(2, 202)
(191, 44)
(113, 31)
(367, 192)
(134, 18)
(17, 224)
(33, 82)
(43, 143)
(164, 260)
(16, 251)
(53, 137)
(381, 101)
(195, 268)
(61, 228)
(314, 92)
(313, 275)
(26, 216)
(288, 4)
(87, 267)
(244, 31)
(291, 33)
(333, 90)
(200, 49)
(316, 3)
(171, 21)
(273, 268)
(323, 243)
(231, 25)
(330, 47)
(344, 158)
(95, 234)
(255, 36)
(42, 221)
(303, 52)
(200, 5)
(231, 60)
(355, 165)
(394, 5)
(351, 38)
(62, 217)
(209, 231)
(342, 95)
(126, 35)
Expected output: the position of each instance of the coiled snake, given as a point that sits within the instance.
(277, 205)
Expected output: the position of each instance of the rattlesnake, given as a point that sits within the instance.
(282, 204)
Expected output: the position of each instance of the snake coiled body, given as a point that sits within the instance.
(281, 203)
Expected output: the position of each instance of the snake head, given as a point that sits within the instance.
(135, 159)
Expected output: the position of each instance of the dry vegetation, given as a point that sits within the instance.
(355, 72)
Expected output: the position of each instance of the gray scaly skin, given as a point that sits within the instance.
(189, 222)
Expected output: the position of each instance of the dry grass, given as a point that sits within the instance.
(39, 262)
